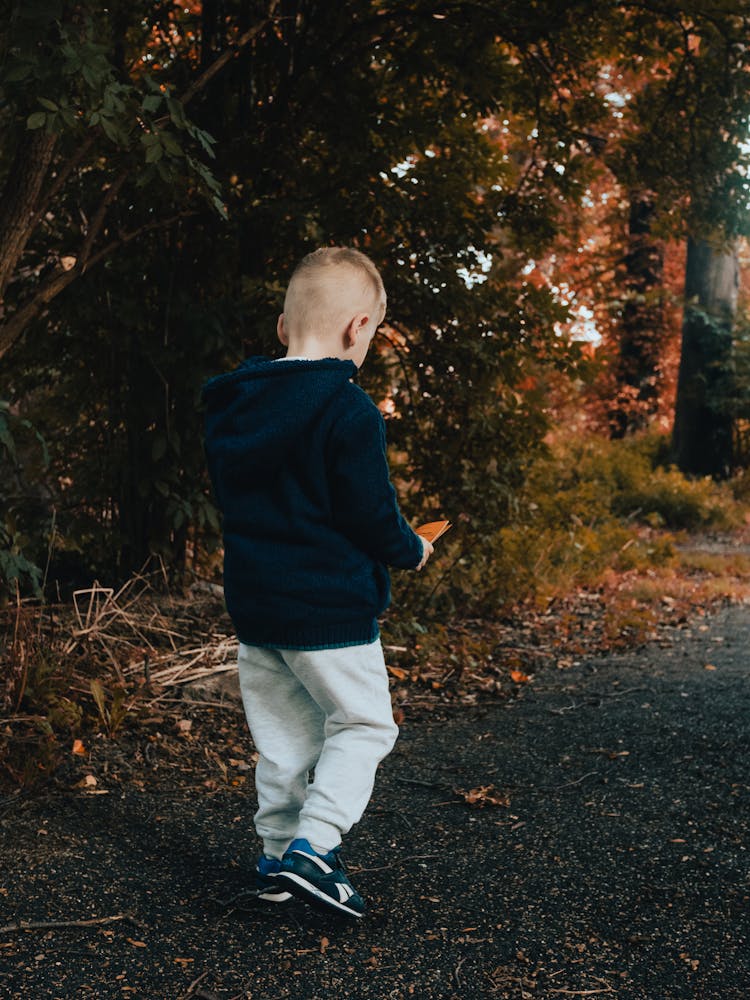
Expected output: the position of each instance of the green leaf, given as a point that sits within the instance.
(220, 207)
(36, 120)
(111, 130)
(154, 153)
(99, 697)
(90, 77)
(212, 516)
(207, 141)
(49, 105)
(170, 144)
(18, 69)
(176, 112)
(6, 438)
(152, 102)
(145, 177)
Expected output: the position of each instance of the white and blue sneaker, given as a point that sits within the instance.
(267, 883)
(319, 879)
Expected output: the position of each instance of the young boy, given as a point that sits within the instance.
(297, 458)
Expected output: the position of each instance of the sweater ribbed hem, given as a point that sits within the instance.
(313, 637)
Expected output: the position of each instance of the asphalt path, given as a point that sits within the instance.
(606, 855)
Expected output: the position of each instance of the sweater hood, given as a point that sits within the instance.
(255, 414)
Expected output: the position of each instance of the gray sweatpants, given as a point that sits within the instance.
(327, 709)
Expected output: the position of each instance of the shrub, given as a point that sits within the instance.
(587, 506)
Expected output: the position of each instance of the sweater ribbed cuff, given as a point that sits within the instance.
(359, 633)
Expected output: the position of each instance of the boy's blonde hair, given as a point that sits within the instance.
(329, 286)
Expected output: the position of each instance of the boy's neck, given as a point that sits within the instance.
(312, 350)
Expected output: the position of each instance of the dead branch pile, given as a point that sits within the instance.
(140, 632)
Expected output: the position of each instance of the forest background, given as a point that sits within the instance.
(557, 196)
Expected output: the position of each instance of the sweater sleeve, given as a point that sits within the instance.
(365, 507)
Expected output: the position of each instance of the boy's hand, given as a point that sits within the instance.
(427, 550)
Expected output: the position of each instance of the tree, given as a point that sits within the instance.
(672, 161)
(380, 109)
(698, 173)
(381, 126)
(71, 108)
(703, 426)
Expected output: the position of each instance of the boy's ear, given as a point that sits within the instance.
(354, 328)
(281, 332)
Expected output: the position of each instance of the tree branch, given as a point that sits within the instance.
(57, 282)
(59, 182)
(96, 224)
(24, 216)
(229, 53)
(19, 198)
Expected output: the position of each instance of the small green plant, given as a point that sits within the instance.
(19, 440)
(43, 715)
(112, 708)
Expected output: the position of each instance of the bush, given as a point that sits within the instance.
(587, 506)
(597, 477)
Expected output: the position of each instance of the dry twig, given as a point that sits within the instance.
(35, 925)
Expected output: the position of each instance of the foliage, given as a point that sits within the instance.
(24, 455)
(587, 506)
(629, 479)
(35, 699)
(348, 123)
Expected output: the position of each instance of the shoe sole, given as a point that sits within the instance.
(310, 893)
(273, 897)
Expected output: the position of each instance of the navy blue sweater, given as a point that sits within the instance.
(297, 458)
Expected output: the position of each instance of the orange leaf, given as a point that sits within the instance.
(519, 677)
(483, 795)
(78, 747)
(433, 530)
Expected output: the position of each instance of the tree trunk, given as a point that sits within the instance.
(703, 421)
(19, 198)
(638, 368)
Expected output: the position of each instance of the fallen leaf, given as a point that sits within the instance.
(87, 781)
(483, 795)
(709, 666)
(78, 747)
(692, 962)
(398, 672)
(324, 942)
(136, 944)
(519, 677)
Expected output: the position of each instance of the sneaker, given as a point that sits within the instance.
(266, 880)
(319, 879)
